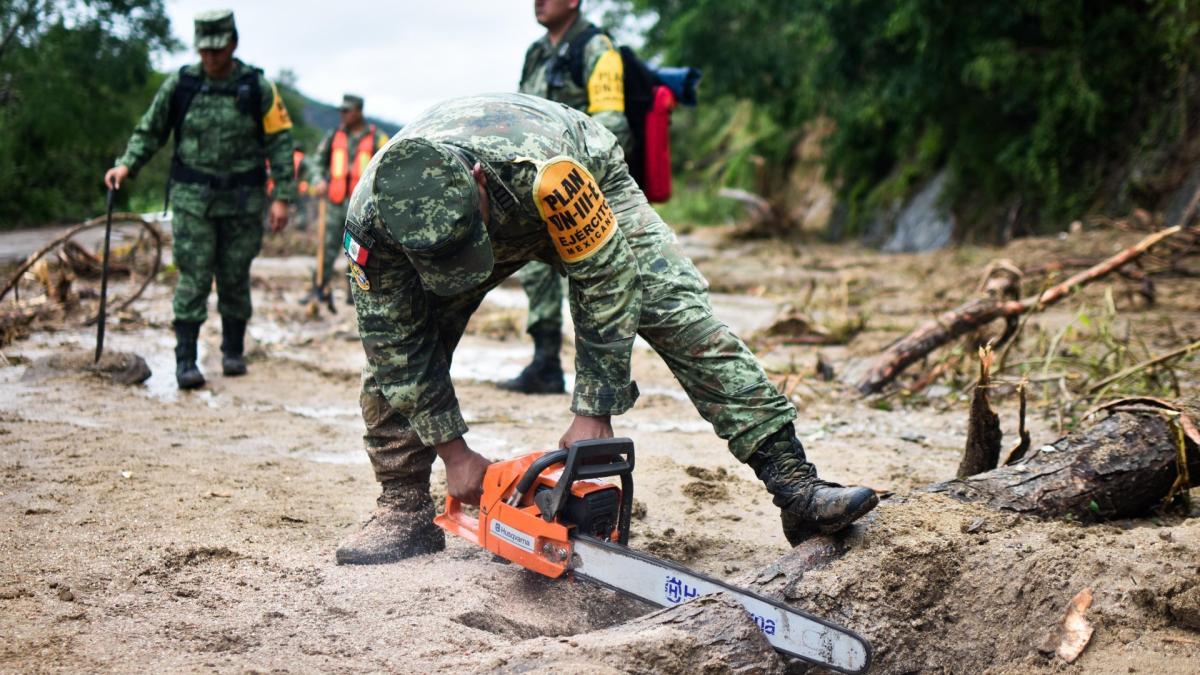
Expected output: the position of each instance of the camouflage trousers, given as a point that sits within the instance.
(718, 372)
(544, 288)
(222, 247)
(335, 228)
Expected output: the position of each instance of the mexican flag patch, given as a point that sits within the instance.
(354, 251)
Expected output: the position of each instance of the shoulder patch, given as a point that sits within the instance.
(606, 85)
(276, 119)
(576, 215)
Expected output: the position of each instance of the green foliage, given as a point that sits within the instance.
(66, 70)
(1028, 100)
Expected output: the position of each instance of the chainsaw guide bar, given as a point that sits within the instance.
(562, 521)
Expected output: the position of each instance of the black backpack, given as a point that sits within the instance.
(639, 82)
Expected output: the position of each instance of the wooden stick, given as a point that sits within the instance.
(1184, 350)
(952, 324)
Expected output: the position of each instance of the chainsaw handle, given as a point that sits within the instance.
(539, 465)
(616, 459)
(457, 521)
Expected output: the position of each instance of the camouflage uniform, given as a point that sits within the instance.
(637, 282)
(335, 214)
(541, 282)
(216, 231)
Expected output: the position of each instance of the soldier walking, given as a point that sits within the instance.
(463, 197)
(340, 160)
(228, 121)
(598, 91)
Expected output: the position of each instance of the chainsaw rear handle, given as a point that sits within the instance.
(616, 459)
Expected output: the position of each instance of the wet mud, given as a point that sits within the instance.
(143, 528)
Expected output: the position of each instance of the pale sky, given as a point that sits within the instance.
(402, 56)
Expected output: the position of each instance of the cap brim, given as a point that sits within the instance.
(467, 267)
(214, 41)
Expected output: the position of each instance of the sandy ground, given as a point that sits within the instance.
(144, 529)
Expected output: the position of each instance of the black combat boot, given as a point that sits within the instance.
(545, 374)
(233, 346)
(808, 504)
(187, 375)
(400, 527)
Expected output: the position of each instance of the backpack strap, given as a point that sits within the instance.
(528, 67)
(575, 53)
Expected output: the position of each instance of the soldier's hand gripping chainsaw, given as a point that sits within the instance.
(547, 512)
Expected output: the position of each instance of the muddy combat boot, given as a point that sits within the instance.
(187, 375)
(233, 346)
(400, 527)
(809, 505)
(545, 374)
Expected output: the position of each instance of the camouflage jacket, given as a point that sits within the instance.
(603, 74)
(320, 158)
(218, 139)
(514, 137)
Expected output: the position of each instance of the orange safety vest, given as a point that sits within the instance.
(297, 158)
(343, 174)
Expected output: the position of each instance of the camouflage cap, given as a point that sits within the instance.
(215, 29)
(351, 101)
(428, 201)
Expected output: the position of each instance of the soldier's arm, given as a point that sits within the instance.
(151, 130)
(604, 77)
(277, 135)
(606, 291)
(401, 341)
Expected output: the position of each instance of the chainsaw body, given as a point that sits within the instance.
(533, 505)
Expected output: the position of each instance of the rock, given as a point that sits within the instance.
(119, 367)
(708, 635)
(1185, 608)
(66, 595)
(923, 224)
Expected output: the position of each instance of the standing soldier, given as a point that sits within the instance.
(599, 91)
(341, 159)
(462, 198)
(228, 121)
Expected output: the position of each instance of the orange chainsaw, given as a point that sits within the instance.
(549, 512)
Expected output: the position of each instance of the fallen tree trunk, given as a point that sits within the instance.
(973, 315)
(712, 634)
(1120, 467)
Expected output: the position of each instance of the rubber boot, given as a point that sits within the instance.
(233, 346)
(808, 504)
(187, 375)
(545, 374)
(400, 527)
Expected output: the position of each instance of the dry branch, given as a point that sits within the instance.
(971, 316)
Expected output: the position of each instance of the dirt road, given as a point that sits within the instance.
(144, 529)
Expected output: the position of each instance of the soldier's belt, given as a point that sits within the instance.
(181, 173)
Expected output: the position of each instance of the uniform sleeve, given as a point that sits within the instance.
(405, 354)
(604, 77)
(605, 300)
(151, 130)
(605, 286)
(277, 135)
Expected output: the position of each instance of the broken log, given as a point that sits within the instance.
(1121, 467)
(983, 426)
(708, 635)
(971, 316)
